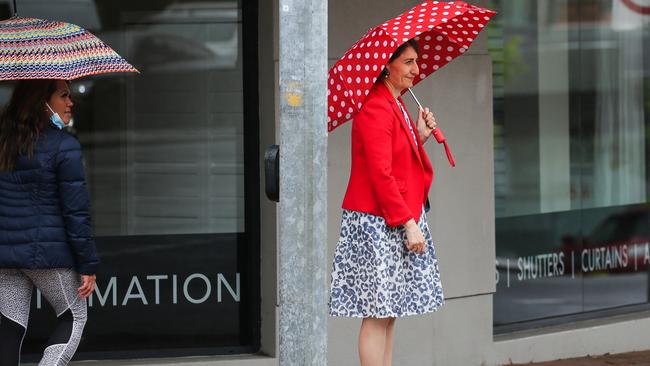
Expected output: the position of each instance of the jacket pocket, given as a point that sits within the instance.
(401, 185)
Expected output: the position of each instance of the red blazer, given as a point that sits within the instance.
(390, 176)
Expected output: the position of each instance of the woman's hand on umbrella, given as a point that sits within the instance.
(414, 238)
(426, 124)
(87, 285)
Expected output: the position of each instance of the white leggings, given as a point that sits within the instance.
(59, 287)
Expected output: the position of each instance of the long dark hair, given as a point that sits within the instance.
(22, 120)
(410, 43)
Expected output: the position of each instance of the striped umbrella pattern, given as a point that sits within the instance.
(32, 48)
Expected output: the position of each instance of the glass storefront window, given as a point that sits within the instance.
(571, 148)
(173, 178)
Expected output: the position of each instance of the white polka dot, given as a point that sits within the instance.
(331, 81)
(376, 55)
(350, 56)
(407, 27)
(405, 39)
(345, 93)
(422, 76)
(334, 123)
(486, 18)
(448, 58)
(376, 43)
(425, 56)
(331, 109)
(347, 116)
(350, 109)
(423, 66)
(335, 98)
(385, 43)
(338, 86)
(342, 103)
(367, 55)
(339, 114)
(359, 105)
(367, 67)
(374, 67)
(462, 50)
(349, 68)
(450, 48)
(383, 55)
(349, 80)
(470, 39)
(358, 80)
(436, 67)
(358, 92)
(428, 38)
(439, 38)
(358, 68)
(436, 57)
(359, 55)
(367, 91)
(426, 47)
(340, 68)
(480, 25)
(444, 20)
(438, 47)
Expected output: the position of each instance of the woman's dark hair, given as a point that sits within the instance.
(22, 120)
(410, 43)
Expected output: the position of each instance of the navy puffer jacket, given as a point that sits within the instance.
(44, 208)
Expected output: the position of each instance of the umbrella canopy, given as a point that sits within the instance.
(443, 30)
(33, 48)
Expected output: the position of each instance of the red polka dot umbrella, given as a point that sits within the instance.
(443, 30)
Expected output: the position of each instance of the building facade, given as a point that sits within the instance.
(542, 228)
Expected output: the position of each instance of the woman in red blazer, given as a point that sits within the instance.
(385, 265)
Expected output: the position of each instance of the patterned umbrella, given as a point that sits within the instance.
(33, 48)
(443, 30)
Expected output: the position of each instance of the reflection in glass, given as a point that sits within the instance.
(571, 117)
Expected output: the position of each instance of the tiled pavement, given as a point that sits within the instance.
(627, 359)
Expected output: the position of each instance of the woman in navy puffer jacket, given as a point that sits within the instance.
(45, 231)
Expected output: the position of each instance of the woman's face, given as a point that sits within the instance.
(60, 101)
(403, 70)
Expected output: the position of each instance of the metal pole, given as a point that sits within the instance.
(303, 183)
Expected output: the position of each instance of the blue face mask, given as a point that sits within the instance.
(55, 118)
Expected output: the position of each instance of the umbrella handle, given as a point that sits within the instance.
(439, 136)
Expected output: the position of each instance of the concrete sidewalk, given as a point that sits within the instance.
(627, 359)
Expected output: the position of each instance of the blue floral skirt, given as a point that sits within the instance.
(374, 275)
